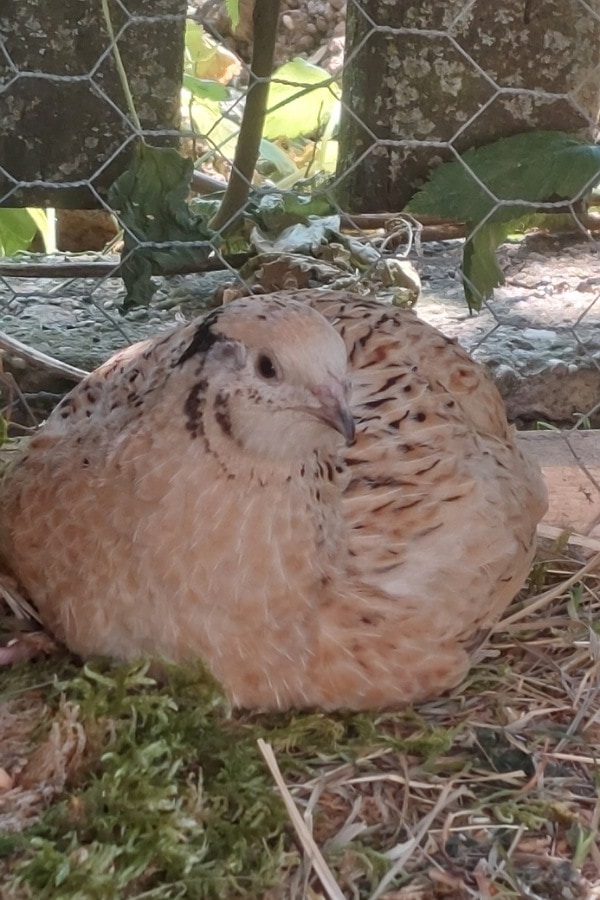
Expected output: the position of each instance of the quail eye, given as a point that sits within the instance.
(265, 367)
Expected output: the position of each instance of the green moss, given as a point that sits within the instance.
(175, 795)
(175, 798)
(527, 811)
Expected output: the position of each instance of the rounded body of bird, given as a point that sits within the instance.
(192, 499)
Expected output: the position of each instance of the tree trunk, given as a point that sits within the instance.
(460, 75)
(63, 116)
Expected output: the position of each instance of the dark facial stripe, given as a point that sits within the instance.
(203, 338)
(193, 409)
(222, 416)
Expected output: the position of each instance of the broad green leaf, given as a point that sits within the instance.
(536, 167)
(302, 111)
(151, 198)
(480, 267)
(204, 89)
(17, 230)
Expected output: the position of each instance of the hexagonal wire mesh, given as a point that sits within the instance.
(422, 83)
(537, 333)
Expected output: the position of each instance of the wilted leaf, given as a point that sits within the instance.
(151, 198)
(308, 111)
(480, 267)
(300, 238)
(276, 211)
(535, 168)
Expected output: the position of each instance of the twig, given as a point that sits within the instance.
(121, 69)
(18, 605)
(552, 533)
(10, 387)
(330, 886)
(205, 185)
(16, 348)
(110, 269)
(446, 797)
(548, 596)
(264, 26)
(62, 269)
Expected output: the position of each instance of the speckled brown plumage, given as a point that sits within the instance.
(193, 498)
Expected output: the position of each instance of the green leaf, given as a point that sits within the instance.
(18, 228)
(40, 218)
(481, 272)
(536, 168)
(278, 158)
(480, 269)
(151, 198)
(309, 110)
(277, 211)
(205, 89)
(210, 123)
(233, 11)
(204, 58)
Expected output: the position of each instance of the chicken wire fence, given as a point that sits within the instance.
(316, 212)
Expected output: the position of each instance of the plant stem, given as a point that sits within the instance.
(264, 26)
(121, 69)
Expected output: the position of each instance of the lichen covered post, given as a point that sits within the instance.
(63, 115)
(432, 73)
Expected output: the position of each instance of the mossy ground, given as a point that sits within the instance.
(123, 787)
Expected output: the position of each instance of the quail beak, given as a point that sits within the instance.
(334, 411)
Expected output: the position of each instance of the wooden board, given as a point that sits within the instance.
(570, 461)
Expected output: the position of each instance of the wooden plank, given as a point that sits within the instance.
(570, 461)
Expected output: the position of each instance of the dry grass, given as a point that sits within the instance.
(114, 786)
(512, 808)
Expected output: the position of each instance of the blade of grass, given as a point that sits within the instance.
(309, 845)
(548, 596)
